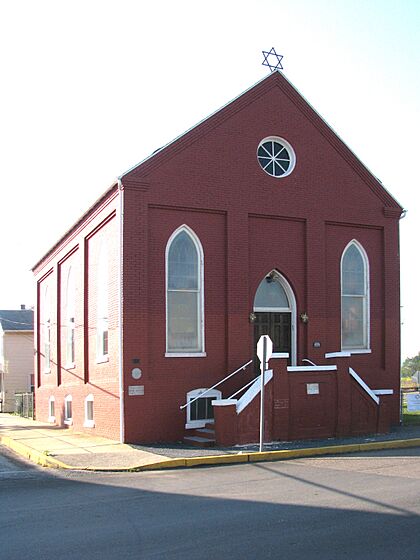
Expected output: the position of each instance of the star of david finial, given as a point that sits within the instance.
(272, 60)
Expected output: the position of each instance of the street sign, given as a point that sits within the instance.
(264, 351)
(268, 348)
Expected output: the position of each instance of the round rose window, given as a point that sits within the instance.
(276, 157)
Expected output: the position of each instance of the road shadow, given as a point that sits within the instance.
(202, 514)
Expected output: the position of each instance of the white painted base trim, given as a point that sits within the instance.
(342, 354)
(363, 385)
(253, 391)
(297, 369)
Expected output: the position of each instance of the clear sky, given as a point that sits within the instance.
(89, 88)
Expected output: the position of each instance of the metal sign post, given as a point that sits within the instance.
(264, 351)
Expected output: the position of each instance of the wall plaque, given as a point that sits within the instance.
(134, 390)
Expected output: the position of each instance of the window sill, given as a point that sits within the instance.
(102, 359)
(69, 422)
(88, 424)
(185, 354)
(46, 371)
(51, 419)
(193, 424)
(70, 366)
(357, 350)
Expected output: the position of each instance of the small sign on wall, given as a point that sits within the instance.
(312, 388)
(135, 390)
(413, 402)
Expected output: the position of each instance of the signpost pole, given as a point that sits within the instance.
(263, 365)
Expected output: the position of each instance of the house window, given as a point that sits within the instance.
(68, 410)
(70, 322)
(354, 298)
(51, 409)
(89, 422)
(184, 294)
(276, 156)
(47, 331)
(200, 410)
(102, 306)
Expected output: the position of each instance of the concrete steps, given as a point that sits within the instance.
(201, 437)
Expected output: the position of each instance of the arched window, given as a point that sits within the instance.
(70, 318)
(200, 411)
(354, 298)
(46, 319)
(184, 294)
(102, 305)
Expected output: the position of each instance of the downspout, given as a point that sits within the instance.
(120, 307)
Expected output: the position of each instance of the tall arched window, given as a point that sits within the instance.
(102, 305)
(46, 319)
(70, 318)
(354, 298)
(184, 294)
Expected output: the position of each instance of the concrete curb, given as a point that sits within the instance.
(187, 462)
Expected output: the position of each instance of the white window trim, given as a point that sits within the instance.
(70, 317)
(292, 309)
(102, 320)
(214, 393)
(68, 421)
(288, 147)
(47, 330)
(366, 326)
(88, 423)
(50, 400)
(201, 352)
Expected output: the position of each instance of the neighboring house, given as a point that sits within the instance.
(259, 220)
(16, 355)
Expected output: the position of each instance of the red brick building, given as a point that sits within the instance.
(259, 220)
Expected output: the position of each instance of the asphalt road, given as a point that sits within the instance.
(360, 507)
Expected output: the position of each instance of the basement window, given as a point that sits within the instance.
(89, 422)
(200, 412)
(51, 409)
(68, 410)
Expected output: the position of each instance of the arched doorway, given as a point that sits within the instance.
(275, 314)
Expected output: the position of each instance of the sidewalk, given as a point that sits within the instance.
(56, 447)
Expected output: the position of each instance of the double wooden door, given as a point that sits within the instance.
(278, 326)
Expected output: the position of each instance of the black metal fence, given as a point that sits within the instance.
(24, 404)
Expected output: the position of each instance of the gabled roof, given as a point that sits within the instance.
(17, 319)
(139, 172)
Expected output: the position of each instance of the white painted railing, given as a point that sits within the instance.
(200, 396)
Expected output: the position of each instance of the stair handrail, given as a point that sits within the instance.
(243, 367)
(309, 362)
(245, 387)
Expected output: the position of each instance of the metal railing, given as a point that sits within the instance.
(309, 362)
(24, 404)
(200, 396)
(244, 387)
